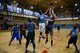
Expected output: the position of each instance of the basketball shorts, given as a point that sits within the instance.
(73, 40)
(41, 27)
(15, 35)
(30, 36)
(22, 33)
(48, 29)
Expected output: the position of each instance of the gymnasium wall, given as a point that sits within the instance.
(68, 22)
(1, 21)
(18, 20)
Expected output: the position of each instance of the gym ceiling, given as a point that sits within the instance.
(72, 6)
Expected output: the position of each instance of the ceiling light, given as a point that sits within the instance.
(55, 1)
(66, 10)
(61, 6)
(76, 4)
(77, 9)
(31, 7)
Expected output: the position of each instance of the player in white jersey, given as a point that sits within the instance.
(42, 21)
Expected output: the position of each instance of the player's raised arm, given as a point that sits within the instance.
(46, 11)
(54, 15)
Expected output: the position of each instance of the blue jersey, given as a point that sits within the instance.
(74, 32)
(30, 26)
(15, 29)
(42, 18)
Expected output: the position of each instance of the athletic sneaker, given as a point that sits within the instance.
(34, 51)
(77, 51)
(39, 40)
(43, 37)
(26, 51)
(9, 44)
(67, 47)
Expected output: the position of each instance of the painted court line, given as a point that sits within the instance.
(45, 50)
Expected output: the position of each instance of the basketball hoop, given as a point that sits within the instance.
(14, 5)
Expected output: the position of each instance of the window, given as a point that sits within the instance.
(25, 11)
(10, 8)
(14, 9)
(19, 10)
(1, 7)
(36, 14)
(0, 4)
(28, 12)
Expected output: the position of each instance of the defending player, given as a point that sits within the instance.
(30, 35)
(73, 38)
(15, 34)
(22, 31)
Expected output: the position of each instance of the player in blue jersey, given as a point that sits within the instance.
(30, 35)
(42, 21)
(49, 26)
(15, 34)
(73, 38)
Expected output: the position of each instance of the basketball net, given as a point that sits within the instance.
(14, 5)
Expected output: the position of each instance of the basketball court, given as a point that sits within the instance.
(52, 13)
(59, 43)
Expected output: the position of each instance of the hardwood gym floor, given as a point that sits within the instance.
(59, 43)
